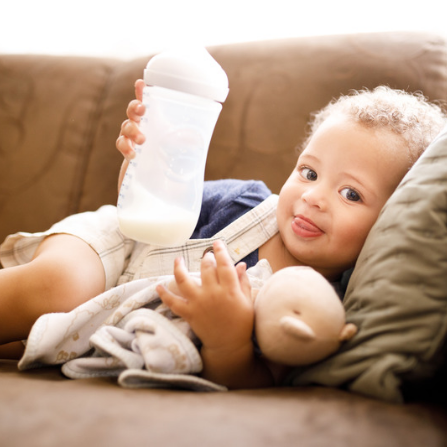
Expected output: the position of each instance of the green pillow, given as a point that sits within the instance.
(397, 295)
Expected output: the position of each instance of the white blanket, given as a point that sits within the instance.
(127, 333)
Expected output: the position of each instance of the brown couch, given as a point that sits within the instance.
(59, 119)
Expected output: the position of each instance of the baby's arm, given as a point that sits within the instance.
(221, 313)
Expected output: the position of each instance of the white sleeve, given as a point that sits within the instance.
(99, 229)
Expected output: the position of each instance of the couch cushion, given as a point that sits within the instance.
(101, 171)
(49, 110)
(397, 295)
(41, 408)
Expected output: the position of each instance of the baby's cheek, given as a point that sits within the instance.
(358, 242)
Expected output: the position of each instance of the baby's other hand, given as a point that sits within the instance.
(220, 310)
(130, 132)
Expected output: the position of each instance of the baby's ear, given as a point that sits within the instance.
(348, 331)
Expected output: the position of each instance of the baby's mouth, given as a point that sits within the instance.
(304, 227)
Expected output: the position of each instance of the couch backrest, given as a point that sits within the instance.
(60, 116)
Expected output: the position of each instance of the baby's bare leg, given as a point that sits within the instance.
(64, 273)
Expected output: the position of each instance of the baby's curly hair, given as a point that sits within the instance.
(409, 115)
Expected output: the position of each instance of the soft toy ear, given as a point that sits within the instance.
(297, 328)
(348, 331)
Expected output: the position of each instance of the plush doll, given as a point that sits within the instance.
(299, 319)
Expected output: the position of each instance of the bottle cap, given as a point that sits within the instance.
(191, 71)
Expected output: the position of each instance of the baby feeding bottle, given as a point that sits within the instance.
(161, 194)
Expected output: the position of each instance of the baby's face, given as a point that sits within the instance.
(334, 195)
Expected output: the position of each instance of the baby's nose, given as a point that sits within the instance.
(315, 195)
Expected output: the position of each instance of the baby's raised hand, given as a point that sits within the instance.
(130, 132)
(220, 310)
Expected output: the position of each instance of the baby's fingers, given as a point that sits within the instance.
(226, 272)
(208, 271)
(139, 86)
(244, 282)
(131, 130)
(129, 136)
(126, 147)
(135, 110)
(176, 303)
(187, 285)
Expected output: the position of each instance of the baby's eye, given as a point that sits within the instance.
(308, 174)
(351, 194)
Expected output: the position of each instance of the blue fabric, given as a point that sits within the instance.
(223, 202)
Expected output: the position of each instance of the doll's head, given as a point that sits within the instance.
(299, 319)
